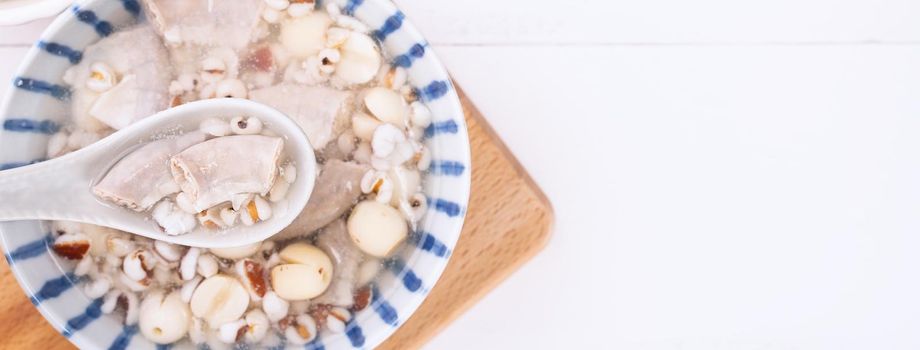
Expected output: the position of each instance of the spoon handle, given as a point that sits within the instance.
(57, 189)
(61, 189)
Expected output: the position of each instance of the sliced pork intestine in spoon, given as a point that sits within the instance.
(212, 172)
(142, 178)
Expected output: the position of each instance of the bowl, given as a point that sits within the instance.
(37, 105)
(13, 12)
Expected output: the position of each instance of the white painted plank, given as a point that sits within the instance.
(714, 197)
(668, 21)
(708, 198)
(641, 21)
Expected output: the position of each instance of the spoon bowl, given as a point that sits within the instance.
(61, 189)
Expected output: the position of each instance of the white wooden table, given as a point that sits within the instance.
(726, 174)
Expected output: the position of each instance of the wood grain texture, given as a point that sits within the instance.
(508, 221)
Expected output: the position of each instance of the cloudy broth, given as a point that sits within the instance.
(324, 70)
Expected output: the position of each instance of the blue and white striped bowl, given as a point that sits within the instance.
(38, 104)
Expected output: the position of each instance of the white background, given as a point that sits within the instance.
(726, 174)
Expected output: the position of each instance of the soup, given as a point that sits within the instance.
(324, 70)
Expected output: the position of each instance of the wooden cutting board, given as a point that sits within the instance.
(508, 221)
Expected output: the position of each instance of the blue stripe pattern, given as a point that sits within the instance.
(8, 166)
(53, 288)
(445, 127)
(354, 333)
(434, 90)
(316, 344)
(93, 311)
(132, 6)
(405, 60)
(383, 308)
(447, 207)
(351, 6)
(447, 167)
(57, 91)
(429, 243)
(423, 240)
(74, 56)
(409, 279)
(124, 339)
(102, 28)
(391, 25)
(28, 125)
(30, 250)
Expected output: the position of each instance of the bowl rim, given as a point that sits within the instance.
(15, 12)
(406, 308)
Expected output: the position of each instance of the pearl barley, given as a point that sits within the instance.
(283, 290)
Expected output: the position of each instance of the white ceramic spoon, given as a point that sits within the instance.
(61, 188)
